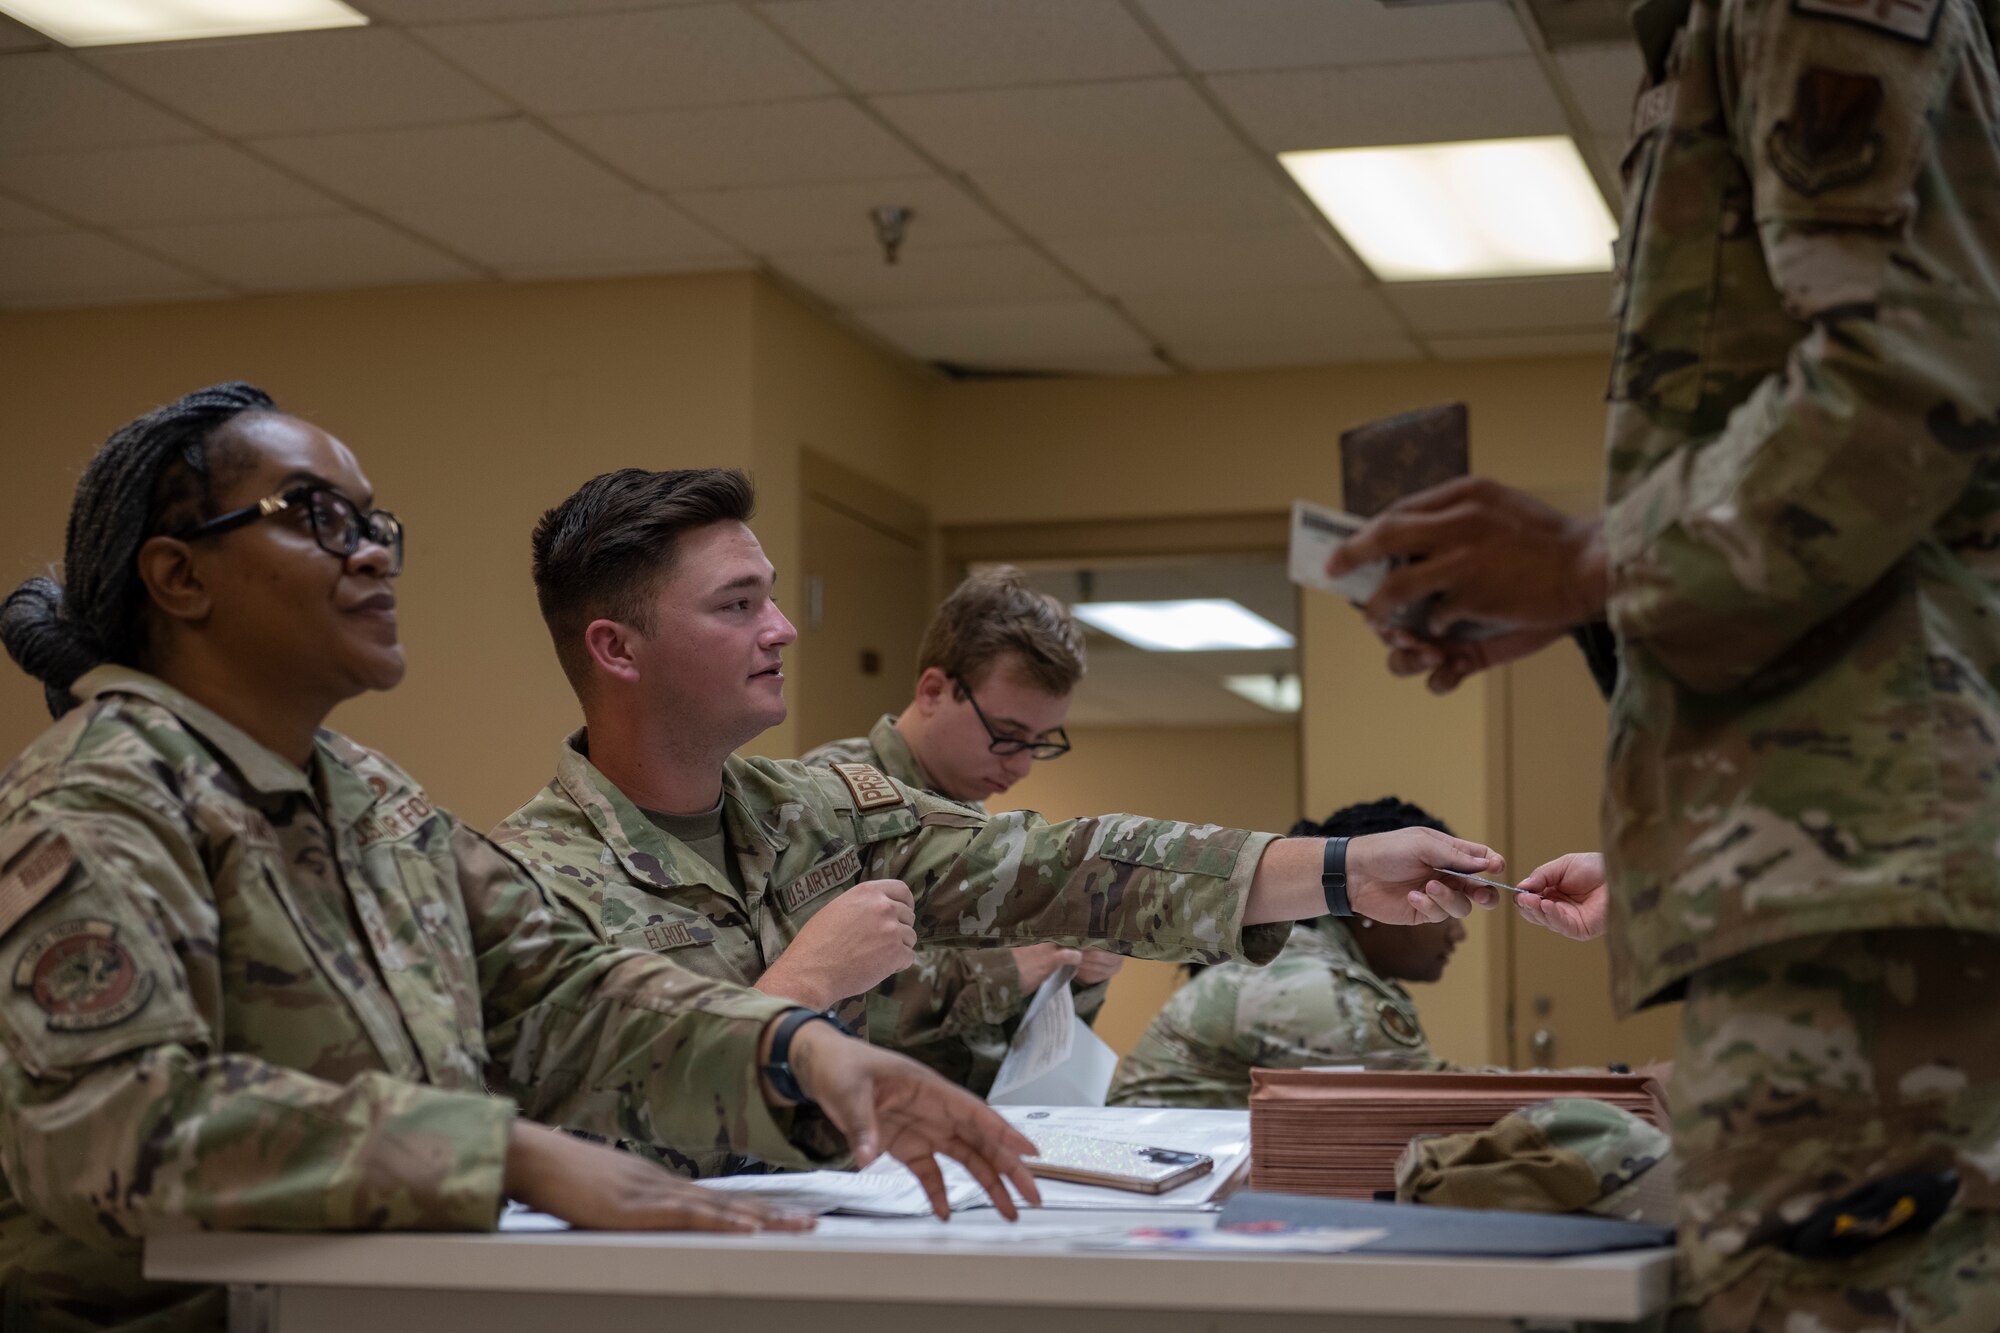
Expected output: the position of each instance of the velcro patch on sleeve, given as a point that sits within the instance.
(1912, 20)
(872, 790)
(31, 876)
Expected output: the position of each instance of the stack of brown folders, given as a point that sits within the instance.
(1339, 1134)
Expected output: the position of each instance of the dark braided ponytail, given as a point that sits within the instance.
(153, 475)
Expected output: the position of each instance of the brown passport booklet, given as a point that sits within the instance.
(1383, 461)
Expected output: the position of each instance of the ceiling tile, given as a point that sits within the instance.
(1604, 81)
(1233, 330)
(1299, 34)
(301, 83)
(913, 45)
(48, 102)
(197, 182)
(1521, 345)
(631, 231)
(1394, 104)
(929, 275)
(20, 37)
(1028, 129)
(461, 11)
(446, 165)
(1263, 259)
(300, 253)
(804, 218)
(79, 267)
(1135, 198)
(16, 216)
(1512, 305)
(1040, 336)
(779, 143)
(699, 56)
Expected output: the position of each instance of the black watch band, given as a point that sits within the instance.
(778, 1067)
(1333, 877)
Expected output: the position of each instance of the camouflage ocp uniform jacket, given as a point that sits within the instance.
(1318, 1004)
(1149, 888)
(239, 995)
(955, 1009)
(1803, 508)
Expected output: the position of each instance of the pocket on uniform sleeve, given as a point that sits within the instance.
(1159, 844)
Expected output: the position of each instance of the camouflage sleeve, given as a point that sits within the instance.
(618, 1042)
(1147, 888)
(1294, 1017)
(125, 1116)
(1870, 147)
(946, 991)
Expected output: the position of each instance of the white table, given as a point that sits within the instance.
(855, 1276)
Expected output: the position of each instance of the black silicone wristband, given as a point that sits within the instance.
(1333, 877)
(778, 1068)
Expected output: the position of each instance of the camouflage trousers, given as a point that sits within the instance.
(1808, 1070)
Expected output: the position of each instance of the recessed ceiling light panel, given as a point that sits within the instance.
(1281, 693)
(1196, 625)
(1486, 209)
(111, 22)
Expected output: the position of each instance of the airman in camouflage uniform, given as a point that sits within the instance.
(1798, 557)
(800, 834)
(233, 985)
(954, 1009)
(1319, 1003)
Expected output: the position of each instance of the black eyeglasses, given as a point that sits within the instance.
(999, 744)
(337, 524)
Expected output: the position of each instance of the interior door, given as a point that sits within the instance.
(867, 600)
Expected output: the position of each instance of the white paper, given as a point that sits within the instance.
(1317, 532)
(1223, 1134)
(519, 1217)
(887, 1192)
(1055, 1059)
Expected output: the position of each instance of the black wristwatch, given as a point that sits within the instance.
(778, 1068)
(1333, 877)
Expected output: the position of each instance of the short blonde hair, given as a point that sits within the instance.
(994, 612)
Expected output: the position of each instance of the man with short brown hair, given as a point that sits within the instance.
(994, 676)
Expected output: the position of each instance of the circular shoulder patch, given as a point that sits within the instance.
(82, 977)
(1398, 1026)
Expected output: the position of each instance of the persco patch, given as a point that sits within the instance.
(82, 977)
(1912, 20)
(872, 790)
(31, 877)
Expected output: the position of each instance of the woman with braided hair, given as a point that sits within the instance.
(258, 980)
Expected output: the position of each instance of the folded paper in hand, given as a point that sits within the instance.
(1055, 1059)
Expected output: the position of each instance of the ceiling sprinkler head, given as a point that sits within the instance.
(890, 220)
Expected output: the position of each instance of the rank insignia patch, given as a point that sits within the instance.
(1829, 138)
(82, 977)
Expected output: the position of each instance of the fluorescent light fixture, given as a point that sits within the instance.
(1280, 694)
(1489, 209)
(110, 22)
(1198, 625)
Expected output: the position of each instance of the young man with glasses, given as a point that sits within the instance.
(994, 676)
(815, 884)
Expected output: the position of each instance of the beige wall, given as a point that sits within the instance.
(1242, 777)
(815, 386)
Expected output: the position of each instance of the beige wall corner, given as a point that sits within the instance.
(818, 386)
